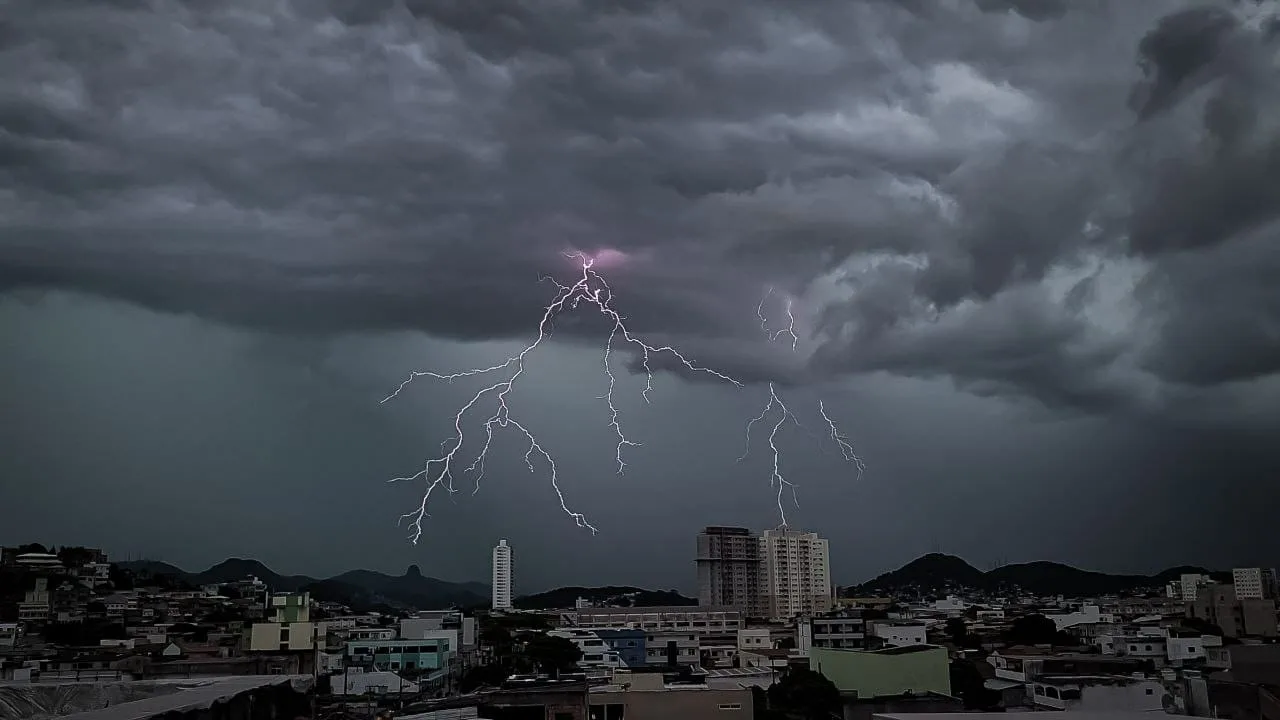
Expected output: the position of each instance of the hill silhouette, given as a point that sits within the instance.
(358, 589)
(937, 572)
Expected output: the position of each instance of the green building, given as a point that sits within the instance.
(892, 672)
(429, 653)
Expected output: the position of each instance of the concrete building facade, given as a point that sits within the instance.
(1254, 583)
(502, 576)
(795, 576)
(1218, 604)
(728, 563)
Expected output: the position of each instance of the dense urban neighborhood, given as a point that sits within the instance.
(768, 637)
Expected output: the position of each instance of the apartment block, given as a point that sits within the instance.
(1218, 604)
(502, 576)
(1254, 583)
(729, 569)
(699, 620)
(795, 576)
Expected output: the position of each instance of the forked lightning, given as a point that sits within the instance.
(777, 479)
(590, 288)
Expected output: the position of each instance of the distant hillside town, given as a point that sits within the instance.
(769, 636)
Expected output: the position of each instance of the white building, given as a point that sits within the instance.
(679, 618)
(795, 577)
(1188, 586)
(35, 605)
(900, 634)
(596, 653)
(502, 576)
(356, 682)
(840, 629)
(1257, 583)
(1093, 693)
(758, 638)
(661, 647)
(1086, 615)
(9, 634)
(951, 605)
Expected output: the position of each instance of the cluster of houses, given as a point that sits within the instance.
(1202, 648)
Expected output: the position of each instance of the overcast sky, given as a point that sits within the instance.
(1030, 247)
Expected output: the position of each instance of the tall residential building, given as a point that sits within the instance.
(795, 573)
(729, 569)
(1218, 604)
(502, 576)
(1255, 583)
(1188, 586)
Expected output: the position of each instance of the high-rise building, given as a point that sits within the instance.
(1254, 583)
(729, 569)
(502, 576)
(795, 573)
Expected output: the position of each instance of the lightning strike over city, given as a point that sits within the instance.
(777, 479)
(591, 288)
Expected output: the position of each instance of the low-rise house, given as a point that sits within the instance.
(650, 696)
(1095, 693)
(905, 679)
(898, 633)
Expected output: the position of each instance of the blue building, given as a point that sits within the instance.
(628, 644)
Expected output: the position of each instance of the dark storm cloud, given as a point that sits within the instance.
(1074, 201)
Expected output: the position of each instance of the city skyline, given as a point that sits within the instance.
(1028, 255)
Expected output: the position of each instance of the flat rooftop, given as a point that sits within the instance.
(198, 695)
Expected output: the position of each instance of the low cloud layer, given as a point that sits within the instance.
(1074, 202)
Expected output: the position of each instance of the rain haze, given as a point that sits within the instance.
(1030, 249)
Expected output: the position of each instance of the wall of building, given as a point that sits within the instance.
(900, 635)
(669, 704)
(271, 637)
(884, 673)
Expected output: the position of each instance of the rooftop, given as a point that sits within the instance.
(1088, 680)
(738, 672)
(905, 649)
(671, 609)
(1028, 715)
(198, 695)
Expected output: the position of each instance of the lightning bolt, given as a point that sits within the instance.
(790, 329)
(777, 479)
(842, 441)
(590, 288)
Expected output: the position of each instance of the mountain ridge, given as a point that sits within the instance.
(355, 588)
(940, 572)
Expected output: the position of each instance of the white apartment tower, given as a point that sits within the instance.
(502, 576)
(795, 573)
(1256, 583)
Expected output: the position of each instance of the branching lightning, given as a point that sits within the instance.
(777, 479)
(790, 329)
(591, 288)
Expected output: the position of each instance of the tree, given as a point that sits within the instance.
(959, 633)
(967, 684)
(760, 709)
(481, 676)
(120, 578)
(552, 654)
(1036, 630)
(806, 693)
